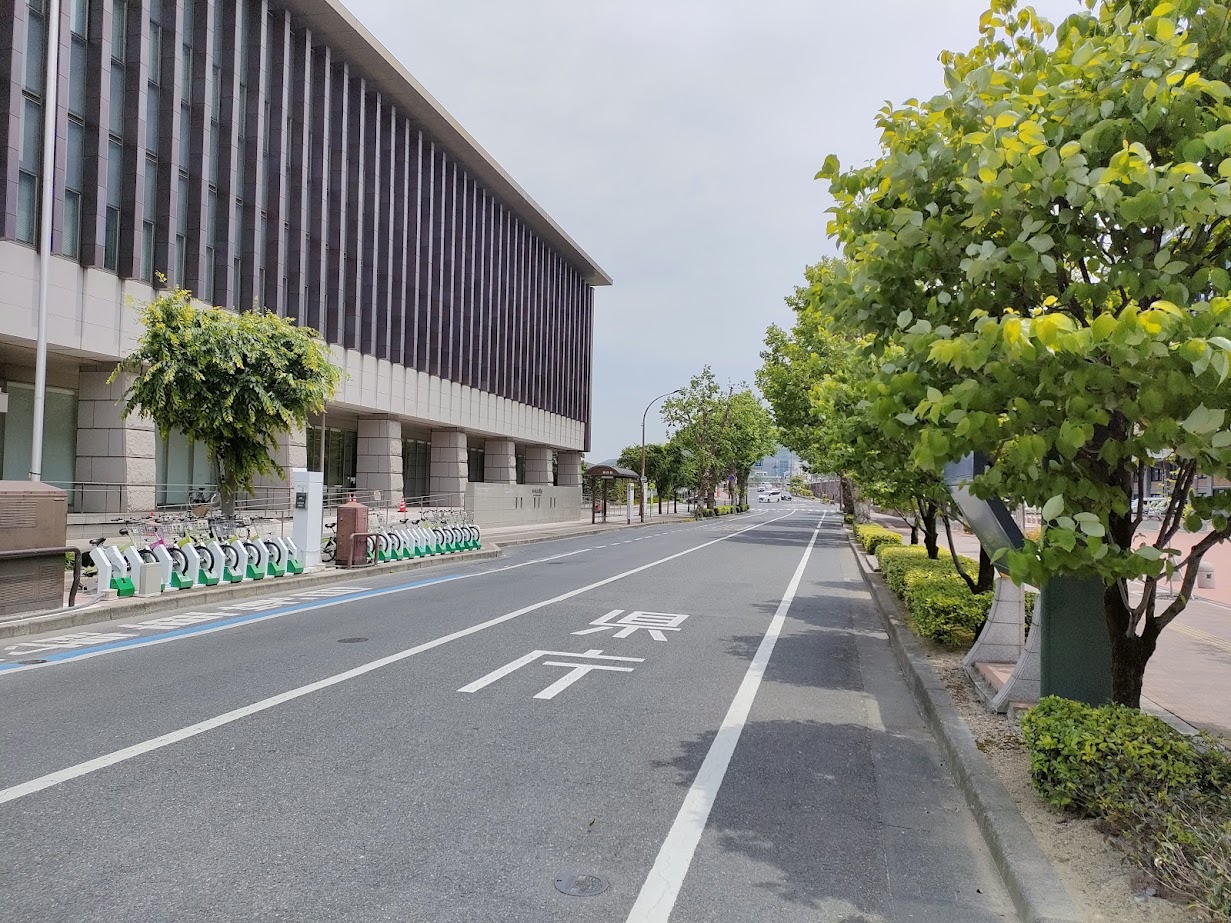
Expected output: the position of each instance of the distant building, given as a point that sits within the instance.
(781, 466)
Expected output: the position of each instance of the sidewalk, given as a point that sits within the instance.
(494, 540)
(1189, 674)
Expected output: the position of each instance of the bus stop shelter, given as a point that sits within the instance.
(605, 473)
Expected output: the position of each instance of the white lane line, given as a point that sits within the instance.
(118, 756)
(662, 886)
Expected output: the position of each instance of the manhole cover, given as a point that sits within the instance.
(581, 885)
(350, 640)
(30, 663)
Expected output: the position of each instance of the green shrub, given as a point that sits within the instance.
(724, 511)
(1091, 760)
(943, 609)
(871, 536)
(897, 560)
(940, 605)
(848, 519)
(1168, 797)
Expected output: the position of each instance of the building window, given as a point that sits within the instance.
(521, 467)
(147, 223)
(341, 448)
(182, 466)
(30, 165)
(115, 142)
(475, 460)
(59, 435)
(79, 20)
(416, 468)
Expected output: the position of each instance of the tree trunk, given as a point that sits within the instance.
(848, 496)
(1129, 652)
(914, 532)
(987, 574)
(930, 536)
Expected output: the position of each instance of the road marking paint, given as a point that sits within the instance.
(1205, 637)
(662, 886)
(193, 730)
(52, 660)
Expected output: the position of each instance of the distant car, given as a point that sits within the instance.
(785, 497)
(763, 498)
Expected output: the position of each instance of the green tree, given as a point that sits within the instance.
(700, 417)
(1047, 243)
(749, 437)
(233, 382)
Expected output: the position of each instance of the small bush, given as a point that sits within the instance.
(1168, 797)
(897, 560)
(848, 519)
(1091, 760)
(871, 536)
(943, 608)
(940, 604)
(724, 511)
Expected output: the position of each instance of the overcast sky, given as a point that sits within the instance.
(676, 141)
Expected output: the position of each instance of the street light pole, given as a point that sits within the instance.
(643, 416)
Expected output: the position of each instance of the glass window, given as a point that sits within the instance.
(340, 453)
(151, 117)
(182, 466)
(27, 207)
(416, 468)
(150, 203)
(36, 54)
(117, 99)
(474, 465)
(72, 224)
(155, 58)
(79, 17)
(185, 134)
(119, 29)
(74, 155)
(32, 136)
(521, 467)
(115, 172)
(77, 78)
(59, 435)
(111, 239)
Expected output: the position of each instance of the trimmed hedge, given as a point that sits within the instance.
(1168, 797)
(871, 536)
(941, 606)
(1090, 760)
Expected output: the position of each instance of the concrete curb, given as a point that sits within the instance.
(173, 600)
(1037, 891)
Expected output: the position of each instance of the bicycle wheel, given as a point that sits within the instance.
(329, 549)
(206, 554)
(275, 551)
(230, 557)
(179, 561)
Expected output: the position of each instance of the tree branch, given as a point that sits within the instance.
(970, 584)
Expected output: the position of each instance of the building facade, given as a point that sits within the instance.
(778, 468)
(271, 154)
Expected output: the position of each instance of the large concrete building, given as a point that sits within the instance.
(271, 153)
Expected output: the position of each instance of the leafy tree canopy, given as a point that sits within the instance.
(233, 382)
(1046, 242)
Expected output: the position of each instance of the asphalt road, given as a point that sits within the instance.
(706, 721)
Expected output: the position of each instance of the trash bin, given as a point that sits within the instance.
(1205, 576)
